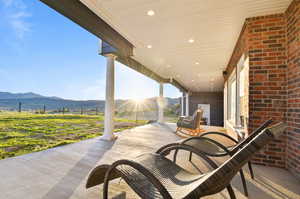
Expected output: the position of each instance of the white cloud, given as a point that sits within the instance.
(16, 14)
(7, 2)
(20, 27)
(18, 4)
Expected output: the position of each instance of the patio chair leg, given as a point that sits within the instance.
(244, 182)
(175, 156)
(251, 170)
(231, 192)
(190, 158)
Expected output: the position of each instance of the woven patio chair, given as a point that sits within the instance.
(190, 124)
(238, 144)
(212, 148)
(152, 175)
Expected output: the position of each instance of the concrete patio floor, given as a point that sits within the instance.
(61, 173)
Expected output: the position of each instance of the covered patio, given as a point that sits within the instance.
(236, 60)
(62, 172)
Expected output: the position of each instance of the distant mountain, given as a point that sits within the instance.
(32, 101)
(30, 95)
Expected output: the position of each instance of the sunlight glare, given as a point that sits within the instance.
(138, 100)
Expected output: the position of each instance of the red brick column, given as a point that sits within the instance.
(267, 80)
(273, 45)
(293, 97)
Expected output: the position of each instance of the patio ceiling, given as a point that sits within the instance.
(190, 41)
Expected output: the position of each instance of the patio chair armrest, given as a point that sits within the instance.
(165, 150)
(141, 169)
(214, 142)
(224, 135)
(97, 175)
(184, 119)
(167, 146)
(187, 121)
(252, 135)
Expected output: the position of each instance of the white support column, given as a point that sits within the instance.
(109, 98)
(187, 105)
(161, 103)
(182, 104)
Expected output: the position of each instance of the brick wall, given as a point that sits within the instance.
(293, 97)
(263, 39)
(267, 80)
(273, 45)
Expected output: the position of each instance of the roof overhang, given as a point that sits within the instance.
(187, 43)
(114, 43)
(79, 13)
(106, 48)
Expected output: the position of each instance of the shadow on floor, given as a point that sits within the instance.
(269, 182)
(165, 126)
(79, 171)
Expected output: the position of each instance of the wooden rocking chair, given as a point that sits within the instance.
(190, 125)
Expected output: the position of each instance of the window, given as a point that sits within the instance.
(242, 81)
(232, 99)
(237, 88)
(243, 93)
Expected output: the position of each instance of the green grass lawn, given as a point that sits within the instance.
(22, 133)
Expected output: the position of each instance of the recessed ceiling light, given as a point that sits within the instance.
(197, 63)
(149, 46)
(168, 66)
(191, 40)
(150, 13)
(193, 80)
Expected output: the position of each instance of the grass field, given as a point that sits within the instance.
(22, 133)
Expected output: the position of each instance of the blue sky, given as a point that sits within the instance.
(43, 52)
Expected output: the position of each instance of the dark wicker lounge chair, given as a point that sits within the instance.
(238, 144)
(212, 148)
(190, 124)
(155, 176)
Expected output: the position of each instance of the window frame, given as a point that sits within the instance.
(235, 76)
(232, 78)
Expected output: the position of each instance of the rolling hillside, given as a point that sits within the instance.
(32, 101)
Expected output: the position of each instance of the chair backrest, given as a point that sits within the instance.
(218, 179)
(252, 135)
(197, 117)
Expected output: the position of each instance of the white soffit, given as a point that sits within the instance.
(214, 25)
